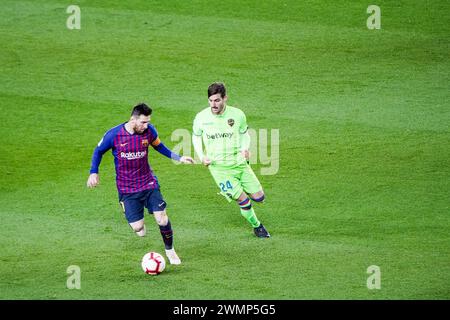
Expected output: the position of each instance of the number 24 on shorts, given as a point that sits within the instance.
(226, 186)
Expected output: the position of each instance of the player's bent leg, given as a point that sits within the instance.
(133, 210)
(165, 228)
(245, 204)
(251, 184)
(138, 227)
(167, 235)
(248, 213)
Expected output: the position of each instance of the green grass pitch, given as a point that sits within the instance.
(364, 162)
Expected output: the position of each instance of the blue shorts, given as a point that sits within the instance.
(133, 203)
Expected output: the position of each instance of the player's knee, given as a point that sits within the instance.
(140, 231)
(242, 197)
(161, 218)
(258, 197)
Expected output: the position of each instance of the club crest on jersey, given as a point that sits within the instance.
(145, 142)
(230, 122)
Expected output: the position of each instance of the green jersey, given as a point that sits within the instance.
(222, 135)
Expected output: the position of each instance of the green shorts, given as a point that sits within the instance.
(232, 181)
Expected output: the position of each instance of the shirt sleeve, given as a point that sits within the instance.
(197, 142)
(106, 143)
(245, 141)
(243, 127)
(161, 148)
(155, 139)
(196, 129)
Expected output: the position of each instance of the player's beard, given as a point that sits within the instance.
(138, 130)
(217, 110)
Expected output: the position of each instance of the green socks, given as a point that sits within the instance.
(250, 216)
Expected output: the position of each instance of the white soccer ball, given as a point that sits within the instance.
(153, 263)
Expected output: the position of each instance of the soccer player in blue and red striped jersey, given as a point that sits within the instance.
(137, 185)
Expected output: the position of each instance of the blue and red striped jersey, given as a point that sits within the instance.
(130, 151)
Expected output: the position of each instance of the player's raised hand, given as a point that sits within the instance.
(93, 180)
(187, 160)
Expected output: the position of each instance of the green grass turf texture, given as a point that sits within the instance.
(364, 174)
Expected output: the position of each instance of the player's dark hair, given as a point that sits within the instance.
(215, 88)
(141, 108)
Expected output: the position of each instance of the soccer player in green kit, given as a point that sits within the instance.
(223, 130)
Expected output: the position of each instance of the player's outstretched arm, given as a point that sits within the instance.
(161, 148)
